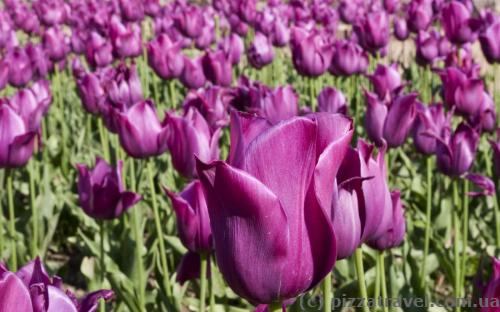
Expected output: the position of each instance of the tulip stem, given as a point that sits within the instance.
(428, 215)
(360, 271)
(456, 255)
(327, 293)
(275, 307)
(104, 140)
(381, 260)
(496, 208)
(203, 281)
(101, 256)
(159, 231)
(377, 279)
(34, 211)
(465, 234)
(212, 292)
(12, 221)
(312, 93)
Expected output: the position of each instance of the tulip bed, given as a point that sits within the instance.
(253, 155)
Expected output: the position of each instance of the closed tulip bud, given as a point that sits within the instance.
(260, 53)
(217, 68)
(427, 47)
(190, 21)
(77, 68)
(331, 100)
(125, 90)
(311, 53)
(281, 33)
(395, 235)
(209, 103)
(50, 12)
(132, 10)
(385, 80)
(401, 29)
(55, 44)
(420, 15)
(165, 57)
(191, 136)
(400, 119)
(373, 31)
(20, 68)
(91, 93)
(348, 59)
(39, 60)
(468, 97)
(141, 133)
(430, 122)
(247, 11)
(458, 25)
(233, 47)
(456, 153)
(17, 141)
(32, 289)
(99, 51)
(490, 43)
(367, 176)
(376, 114)
(192, 76)
(276, 213)
(445, 47)
(101, 191)
(127, 40)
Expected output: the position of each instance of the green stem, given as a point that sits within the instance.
(203, 281)
(377, 279)
(173, 98)
(327, 293)
(34, 211)
(101, 257)
(1, 228)
(496, 208)
(104, 140)
(275, 307)
(360, 271)
(159, 230)
(428, 215)
(212, 292)
(381, 257)
(465, 234)
(312, 94)
(12, 221)
(456, 255)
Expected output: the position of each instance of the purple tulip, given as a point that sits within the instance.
(190, 137)
(40, 63)
(281, 104)
(55, 44)
(101, 191)
(348, 11)
(282, 180)
(400, 119)
(459, 27)
(152, 7)
(209, 103)
(311, 52)
(395, 234)
(490, 43)
(20, 67)
(132, 10)
(280, 35)
(190, 21)
(456, 153)
(126, 39)
(348, 59)
(207, 37)
(331, 100)
(17, 140)
(468, 97)
(30, 107)
(452, 78)
(419, 15)
(485, 184)
(50, 12)
(91, 93)
(32, 289)
(373, 31)
(376, 114)
(401, 29)
(430, 122)
(26, 19)
(260, 53)
(124, 89)
(488, 301)
(386, 80)
(99, 51)
(427, 44)
(192, 76)
(233, 47)
(165, 57)
(486, 119)
(141, 133)
(217, 68)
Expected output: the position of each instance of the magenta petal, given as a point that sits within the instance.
(33, 272)
(59, 301)
(13, 293)
(346, 223)
(90, 302)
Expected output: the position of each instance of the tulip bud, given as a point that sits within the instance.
(91, 93)
(101, 191)
(165, 57)
(190, 21)
(419, 15)
(311, 53)
(373, 31)
(280, 34)
(331, 100)
(348, 59)
(385, 80)
(127, 40)
(124, 89)
(217, 68)
(132, 10)
(399, 120)
(260, 53)
(17, 141)
(486, 119)
(50, 12)
(233, 47)
(99, 51)
(430, 122)
(20, 68)
(459, 27)
(192, 76)
(54, 44)
(401, 29)
(376, 114)
(346, 221)
(427, 47)
(467, 95)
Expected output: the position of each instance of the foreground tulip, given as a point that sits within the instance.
(311, 53)
(31, 289)
(190, 137)
(456, 153)
(141, 133)
(332, 101)
(275, 219)
(101, 191)
(193, 224)
(17, 141)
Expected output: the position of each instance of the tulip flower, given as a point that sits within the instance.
(91, 93)
(152, 8)
(217, 68)
(141, 133)
(40, 63)
(54, 44)
(210, 104)
(191, 136)
(99, 51)
(30, 108)
(385, 80)
(50, 12)
(207, 37)
(101, 191)
(459, 27)
(401, 29)
(282, 181)
(484, 183)
(233, 47)
(32, 289)
(489, 300)
(281, 104)
(373, 31)
(165, 57)
(311, 53)
(17, 140)
(124, 89)
(26, 19)
(132, 10)
(419, 15)
(260, 53)
(456, 153)
(367, 176)
(20, 67)
(400, 119)
(376, 114)
(348, 59)
(490, 43)
(280, 35)
(127, 40)
(332, 101)
(395, 235)
(190, 21)
(429, 120)
(427, 47)
(192, 76)
(348, 11)
(486, 118)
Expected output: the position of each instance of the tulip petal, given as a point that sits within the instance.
(90, 302)
(14, 295)
(59, 301)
